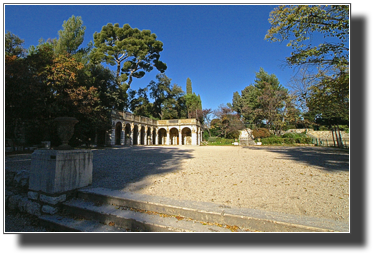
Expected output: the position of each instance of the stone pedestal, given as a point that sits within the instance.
(58, 171)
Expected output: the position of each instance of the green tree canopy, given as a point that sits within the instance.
(44, 85)
(263, 101)
(134, 52)
(193, 102)
(326, 92)
(298, 23)
(329, 100)
(193, 105)
(139, 103)
(188, 86)
(169, 102)
(13, 45)
(71, 36)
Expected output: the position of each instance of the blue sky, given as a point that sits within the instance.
(219, 47)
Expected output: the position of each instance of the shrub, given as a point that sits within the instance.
(280, 140)
(289, 135)
(212, 139)
(224, 141)
(294, 135)
(289, 140)
(272, 140)
(261, 133)
(306, 140)
(289, 126)
(219, 141)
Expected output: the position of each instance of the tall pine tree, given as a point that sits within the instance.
(188, 86)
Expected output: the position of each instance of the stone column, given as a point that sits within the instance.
(193, 137)
(199, 136)
(139, 133)
(127, 139)
(113, 136)
(168, 137)
(156, 137)
(180, 136)
(151, 137)
(123, 134)
(145, 135)
(132, 134)
(107, 137)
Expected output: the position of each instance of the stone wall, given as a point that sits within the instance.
(19, 198)
(326, 135)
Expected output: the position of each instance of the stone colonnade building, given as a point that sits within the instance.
(129, 129)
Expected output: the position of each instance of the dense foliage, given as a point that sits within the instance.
(58, 78)
(326, 92)
(264, 103)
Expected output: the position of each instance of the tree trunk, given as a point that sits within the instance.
(118, 72)
(339, 133)
(334, 142)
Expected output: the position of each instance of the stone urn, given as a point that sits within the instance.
(65, 130)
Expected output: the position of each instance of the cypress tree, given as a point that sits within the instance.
(188, 86)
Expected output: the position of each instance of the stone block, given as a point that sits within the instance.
(52, 200)
(22, 204)
(33, 195)
(58, 171)
(13, 202)
(21, 179)
(47, 209)
(9, 177)
(33, 208)
(8, 194)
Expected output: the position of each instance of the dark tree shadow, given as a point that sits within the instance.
(116, 168)
(325, 158)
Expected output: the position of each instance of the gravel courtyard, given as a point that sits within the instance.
(311, 181)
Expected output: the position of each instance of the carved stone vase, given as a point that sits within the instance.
(65, 131)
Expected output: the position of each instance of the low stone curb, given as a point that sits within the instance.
(208, 212)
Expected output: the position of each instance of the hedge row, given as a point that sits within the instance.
(219, 141)
(278, 140)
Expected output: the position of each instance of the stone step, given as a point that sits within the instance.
(135, 221)
(243, 218)
(62, 223)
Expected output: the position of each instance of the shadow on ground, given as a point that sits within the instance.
(325, 158)
(116, 168)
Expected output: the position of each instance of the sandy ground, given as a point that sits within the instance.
(309, 181)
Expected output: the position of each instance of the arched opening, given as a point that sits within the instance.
(186, 136)
(128, 135)
(135, 135)
(153, 136)
(118, 133)
(149, 142)
(174, 136)
(142, 135)
(162, 136)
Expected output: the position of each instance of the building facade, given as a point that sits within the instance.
(129, 129)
